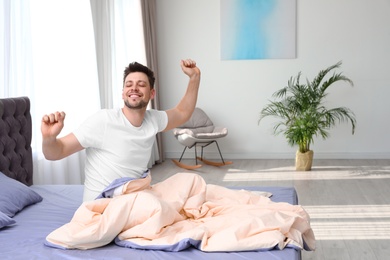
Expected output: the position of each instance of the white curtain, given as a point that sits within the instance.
(149, 26)
(15, 54)
(48, 53)
(119, 41)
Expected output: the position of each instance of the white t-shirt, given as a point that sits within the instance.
(115, 148)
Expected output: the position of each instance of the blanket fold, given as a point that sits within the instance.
(184, 211)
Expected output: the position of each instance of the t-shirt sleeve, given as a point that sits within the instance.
(161, 118)
(95, 125)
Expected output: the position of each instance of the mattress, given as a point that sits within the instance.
(25, 239)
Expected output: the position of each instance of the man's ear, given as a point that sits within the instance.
(152, 93)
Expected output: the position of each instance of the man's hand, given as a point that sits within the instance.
(52, 124)
(189, 68)
(57, 148)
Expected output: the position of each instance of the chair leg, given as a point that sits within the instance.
(219, 152)
(185, 166)
(185, 147)
(196, 155)
(207, 144)
(201, 157)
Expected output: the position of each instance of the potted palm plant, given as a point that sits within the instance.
(303, 115)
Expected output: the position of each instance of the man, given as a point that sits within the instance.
(119, 142)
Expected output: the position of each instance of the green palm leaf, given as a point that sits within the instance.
(299, 108)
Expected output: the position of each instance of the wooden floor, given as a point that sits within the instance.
(348, 200)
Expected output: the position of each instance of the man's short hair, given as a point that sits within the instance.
(137, 67)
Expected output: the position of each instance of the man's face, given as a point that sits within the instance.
(136, 91)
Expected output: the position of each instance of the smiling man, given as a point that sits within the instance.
(119, 142)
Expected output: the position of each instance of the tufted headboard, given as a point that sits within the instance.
(15, 139)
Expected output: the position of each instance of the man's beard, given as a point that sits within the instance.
(140, 105)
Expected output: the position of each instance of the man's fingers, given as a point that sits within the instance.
(53, 117)
(60, 116)
(45, 118)
(189, 63)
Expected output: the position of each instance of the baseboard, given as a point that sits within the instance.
(289, 155)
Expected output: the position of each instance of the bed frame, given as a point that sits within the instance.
(15, 139)
(25, 239)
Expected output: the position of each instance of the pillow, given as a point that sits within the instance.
(5, 220)
(15, 196)
(198, 119)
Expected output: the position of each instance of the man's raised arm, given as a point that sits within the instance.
(182, 112)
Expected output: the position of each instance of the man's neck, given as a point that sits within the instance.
(135, 116)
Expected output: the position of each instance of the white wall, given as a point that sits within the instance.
(233, 92)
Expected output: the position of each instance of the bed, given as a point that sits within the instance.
(28, 212)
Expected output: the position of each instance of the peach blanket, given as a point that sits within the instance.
(184, 211)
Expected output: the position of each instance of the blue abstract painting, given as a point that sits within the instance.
(258, 29)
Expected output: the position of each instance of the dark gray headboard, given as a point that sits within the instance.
(15, 139)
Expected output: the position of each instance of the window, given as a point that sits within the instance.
(47, 49)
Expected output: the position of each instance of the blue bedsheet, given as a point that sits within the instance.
(25, 240)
